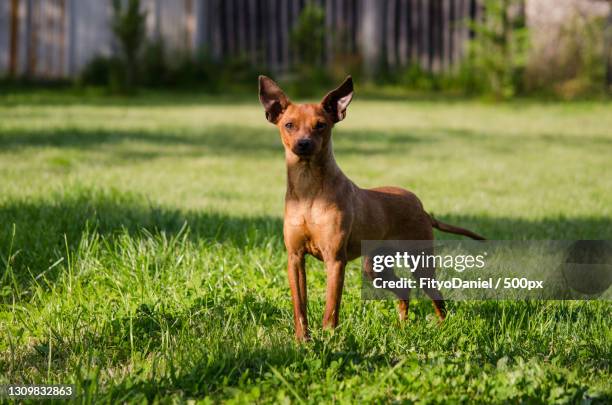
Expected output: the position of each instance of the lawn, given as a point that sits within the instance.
(141, 252)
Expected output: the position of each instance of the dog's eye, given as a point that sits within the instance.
(320, 125)
(289, 125)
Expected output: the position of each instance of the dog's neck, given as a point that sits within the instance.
(307, 178)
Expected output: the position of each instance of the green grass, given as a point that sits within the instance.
(141, 252)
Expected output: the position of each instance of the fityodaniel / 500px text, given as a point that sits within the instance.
(413, 262)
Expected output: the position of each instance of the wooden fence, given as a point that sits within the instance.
(431, 33)
(56, 38)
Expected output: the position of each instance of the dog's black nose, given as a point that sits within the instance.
(304, 145)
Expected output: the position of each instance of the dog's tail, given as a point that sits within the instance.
(453, 229)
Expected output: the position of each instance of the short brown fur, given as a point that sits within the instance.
(326, 214)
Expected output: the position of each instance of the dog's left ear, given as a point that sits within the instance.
(336, 101)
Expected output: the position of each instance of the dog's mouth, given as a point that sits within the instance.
(303, 154)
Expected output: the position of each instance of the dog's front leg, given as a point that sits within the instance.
(333, 296)
(296, 269)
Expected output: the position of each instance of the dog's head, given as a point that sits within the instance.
(305, 128)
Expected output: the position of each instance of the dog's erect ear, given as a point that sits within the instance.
(336, 101)
(271, 96)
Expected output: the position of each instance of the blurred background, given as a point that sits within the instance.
(504, 48)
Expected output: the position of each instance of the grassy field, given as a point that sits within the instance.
(141, 252)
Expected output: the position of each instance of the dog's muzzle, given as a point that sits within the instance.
(303, 147)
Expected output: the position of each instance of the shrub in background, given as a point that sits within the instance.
(128, 26)
(495, 59)
(234, 73)
(416, 78)
(160, 67)
(181, 69)
(154, 64)
(459, 81)
(104, 71)
(584, 55)
(308, 34)
(307, 41)
(577, 67)
(97, 72)
(498, 52)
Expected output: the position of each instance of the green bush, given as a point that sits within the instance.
(308, 34)
(495, 62)
(106, 72)
(307, 40)
(159, 68)
(235, 72)
(578, 67)
(128, 26)
(498, 53)
(97, 72)
(154, 65)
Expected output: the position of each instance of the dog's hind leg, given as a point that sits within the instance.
(426, 270)
(432, 291)
(402, 307)
(402, 293)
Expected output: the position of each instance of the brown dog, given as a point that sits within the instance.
(326, 214)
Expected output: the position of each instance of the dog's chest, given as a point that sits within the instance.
(313, 224)
(308, 216)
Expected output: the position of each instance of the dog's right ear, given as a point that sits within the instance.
(271, 96)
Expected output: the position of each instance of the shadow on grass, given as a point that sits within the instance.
(35, 234)
(248, 141)
(45, 230)
(226, 373)
(576, 140)
(224, 139)
(223, 362)
(233, 364)
(548, 228)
